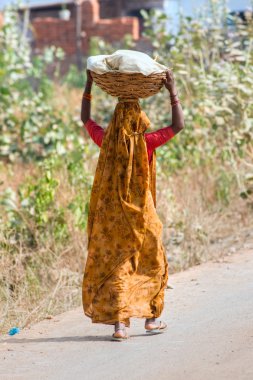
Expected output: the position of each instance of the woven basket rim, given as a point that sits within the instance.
(116, 83)
(120, 72)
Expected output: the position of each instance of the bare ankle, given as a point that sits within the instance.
(150, 320)
(119, 326)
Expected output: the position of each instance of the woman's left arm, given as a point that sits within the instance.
(177, 112)
(161, 136)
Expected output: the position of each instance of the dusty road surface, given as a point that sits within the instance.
(210, 335)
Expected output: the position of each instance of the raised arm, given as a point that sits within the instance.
(95, 131)
(86, 103)
(161, 136)
(177, 113)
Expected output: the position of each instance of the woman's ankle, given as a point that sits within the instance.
(150, 320)
(119, 326)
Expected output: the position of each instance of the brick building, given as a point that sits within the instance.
(71, 26)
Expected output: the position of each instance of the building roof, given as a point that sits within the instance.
(37, 3)
(46, 3)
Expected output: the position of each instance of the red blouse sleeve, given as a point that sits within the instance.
(95, 131)
(158, 138)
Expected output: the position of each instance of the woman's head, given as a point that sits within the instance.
(128, 113)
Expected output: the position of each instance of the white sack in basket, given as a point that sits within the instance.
(125, 61)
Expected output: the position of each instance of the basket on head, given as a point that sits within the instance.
(135, 85)
(127, 73)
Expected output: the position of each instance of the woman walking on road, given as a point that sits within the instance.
(126, 270)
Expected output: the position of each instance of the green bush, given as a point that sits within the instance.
(43, 214)
(30, 127)
(212, 62)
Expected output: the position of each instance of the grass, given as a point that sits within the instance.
(204, 182)
(44, 281)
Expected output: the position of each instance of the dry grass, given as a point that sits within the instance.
(41, 281)
(36, 284)
(197, 225)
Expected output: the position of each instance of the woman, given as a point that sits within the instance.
(126, 270)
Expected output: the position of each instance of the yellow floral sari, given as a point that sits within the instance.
(126, 269)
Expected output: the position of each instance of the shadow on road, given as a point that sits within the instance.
(88, 338)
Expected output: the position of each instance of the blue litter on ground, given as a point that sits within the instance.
(14, 330)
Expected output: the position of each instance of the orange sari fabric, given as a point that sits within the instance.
(126, 269)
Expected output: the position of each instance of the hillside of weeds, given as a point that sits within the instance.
(47, 161)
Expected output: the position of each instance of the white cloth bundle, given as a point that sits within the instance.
(125, 61)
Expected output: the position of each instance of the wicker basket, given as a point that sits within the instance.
(135, 85)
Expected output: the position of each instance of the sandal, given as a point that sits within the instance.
(120, 338)
(158, 329)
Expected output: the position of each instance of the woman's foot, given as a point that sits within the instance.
(120, 332)
(155, 326)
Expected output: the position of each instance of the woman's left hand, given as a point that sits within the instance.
(169, 82)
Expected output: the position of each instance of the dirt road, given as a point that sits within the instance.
(210, 335)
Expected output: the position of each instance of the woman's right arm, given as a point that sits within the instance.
(86, 103)
(95, 131)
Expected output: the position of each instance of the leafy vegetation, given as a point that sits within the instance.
(205, 174)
